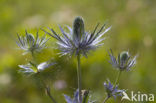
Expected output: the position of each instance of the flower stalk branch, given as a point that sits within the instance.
(106, 99)
(117, 79)
(49, 94)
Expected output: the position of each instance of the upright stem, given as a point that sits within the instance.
(117, 79)
(105, 99)
(79, 77)
(49, 94)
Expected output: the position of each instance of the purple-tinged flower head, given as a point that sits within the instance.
(123, 62)
(32, 68)
(112, 90)
(32, 44)
(75, 99)
(77, 40)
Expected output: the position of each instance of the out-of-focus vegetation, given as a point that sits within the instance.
(133, 28)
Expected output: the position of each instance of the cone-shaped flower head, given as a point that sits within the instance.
(78, 29)
(123, 62)
(77, 40)
(32, 44)
(124, 56)
(112, 90)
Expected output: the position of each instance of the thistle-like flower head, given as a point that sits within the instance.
(32, 68)
(77, 40)
(112, 90)
(32, 44)
(75, 99)
(123, 62)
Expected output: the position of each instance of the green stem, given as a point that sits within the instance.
(105, 99)
(117, 79)
(79, 77)
(49, 94)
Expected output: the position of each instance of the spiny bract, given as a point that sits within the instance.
(32, 68)
(77, 41)
(32, 44)
(112, 90)
(123, 62)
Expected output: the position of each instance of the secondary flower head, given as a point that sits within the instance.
(77, 40)
(75, 99)
(32, 68)
(32, 44)
(123, 62)
(112, 90)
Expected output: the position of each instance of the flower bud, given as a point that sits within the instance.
(78, 28)
(124, 56)
(30, 39)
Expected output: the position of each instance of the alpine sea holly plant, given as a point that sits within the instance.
(76, 42)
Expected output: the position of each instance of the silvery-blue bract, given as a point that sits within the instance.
(112, 90)
(31, 68)
(32, 44)
(77, 40)
(75, 99)
(123, 62)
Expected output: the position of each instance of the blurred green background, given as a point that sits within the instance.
(133, 28)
